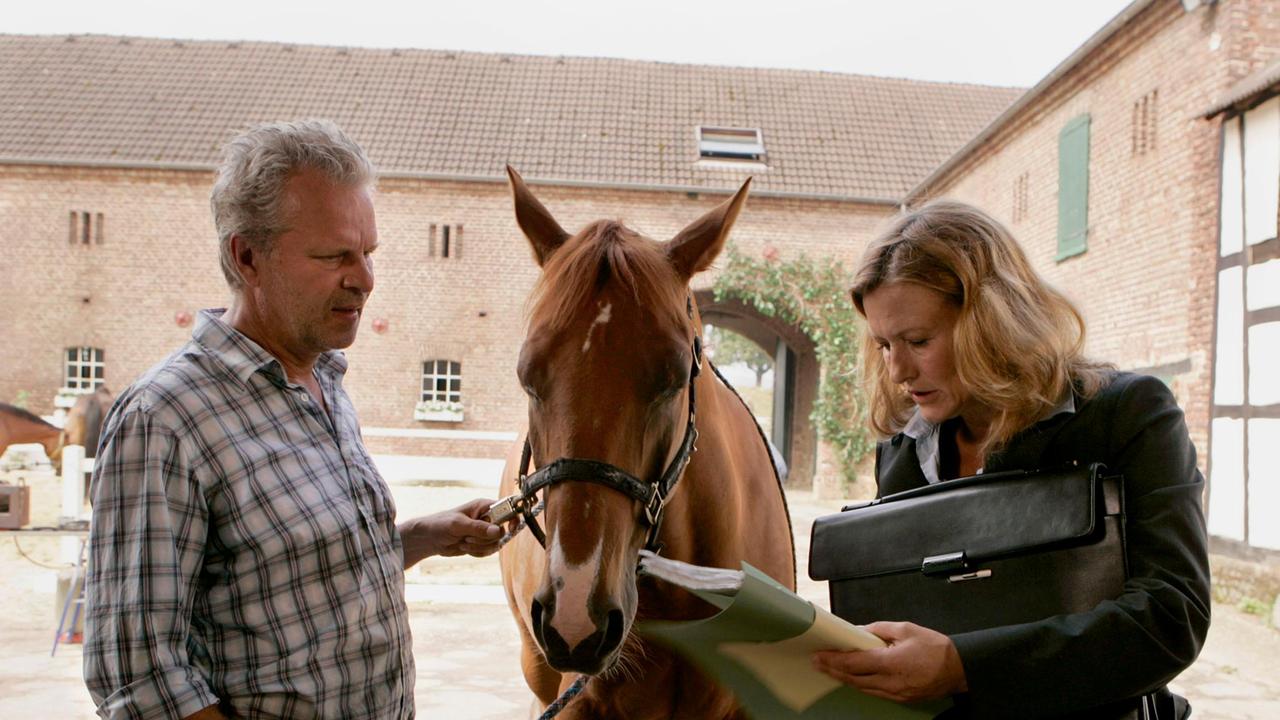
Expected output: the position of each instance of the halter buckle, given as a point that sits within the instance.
(653, 506)
(506, 508)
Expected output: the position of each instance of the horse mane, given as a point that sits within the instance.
(606, 251)
(24, 414)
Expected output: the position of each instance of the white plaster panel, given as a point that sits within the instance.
(1264, 483)
(1226, 479)
(1264, 285)
(1228, 388)
(1261, 171)
(1264, 364)
(1231, 238)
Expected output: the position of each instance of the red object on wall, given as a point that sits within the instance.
(182, 318)
(379, 325)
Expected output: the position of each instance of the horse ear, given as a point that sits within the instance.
(535, 221)
(694, 248)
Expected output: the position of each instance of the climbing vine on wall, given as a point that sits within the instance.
(813, 296)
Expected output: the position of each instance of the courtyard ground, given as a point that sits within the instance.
(465, 639)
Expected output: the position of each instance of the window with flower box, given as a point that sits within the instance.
(441, 398)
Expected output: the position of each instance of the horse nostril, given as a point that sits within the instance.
(541, 611)
(535, 615)
(612, 635)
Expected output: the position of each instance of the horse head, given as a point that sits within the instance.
(608, 364)
(84, 420)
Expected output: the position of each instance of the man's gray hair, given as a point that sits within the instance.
(248, 194)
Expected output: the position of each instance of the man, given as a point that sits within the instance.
(244, 560)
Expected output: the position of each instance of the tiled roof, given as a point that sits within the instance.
(135, 101)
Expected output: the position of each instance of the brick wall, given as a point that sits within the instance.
(159, 257)
(1146, 284)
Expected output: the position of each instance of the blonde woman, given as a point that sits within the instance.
(975, 364)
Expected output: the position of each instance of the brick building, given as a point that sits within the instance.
(1110, 170)
(107, 147)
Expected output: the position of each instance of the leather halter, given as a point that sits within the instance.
(652, 496)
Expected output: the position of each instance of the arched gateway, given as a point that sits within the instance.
(795, 385)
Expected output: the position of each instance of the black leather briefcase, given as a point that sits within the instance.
(977, 552)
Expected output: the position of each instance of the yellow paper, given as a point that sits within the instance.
(785, 666)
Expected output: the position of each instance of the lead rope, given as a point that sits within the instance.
(554, 708)
(520, 525)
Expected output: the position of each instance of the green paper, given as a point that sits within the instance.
(764, 611)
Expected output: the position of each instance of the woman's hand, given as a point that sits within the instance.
(919, 664)
(452, 532)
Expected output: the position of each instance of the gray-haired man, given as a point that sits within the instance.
(244, 557)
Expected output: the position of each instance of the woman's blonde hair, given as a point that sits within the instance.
(1018, 343)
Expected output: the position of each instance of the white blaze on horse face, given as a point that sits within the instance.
(575, 584)
(602, 319)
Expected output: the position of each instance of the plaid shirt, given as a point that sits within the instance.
(243, 547)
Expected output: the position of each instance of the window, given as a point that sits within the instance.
(84, 368)
(1073, 187)
(450, 241)
(1142, 132)
(442, 381)
(84, 228)
(731, 144)
(1021, 188)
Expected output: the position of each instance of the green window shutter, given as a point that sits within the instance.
(1073, 187)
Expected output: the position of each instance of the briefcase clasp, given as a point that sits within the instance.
(946, 564)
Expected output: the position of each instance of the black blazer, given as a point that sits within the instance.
(1125, 647)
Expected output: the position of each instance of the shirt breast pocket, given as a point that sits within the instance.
(287, 511)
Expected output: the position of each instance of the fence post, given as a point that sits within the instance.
(72, 497)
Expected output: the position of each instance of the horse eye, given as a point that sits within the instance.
(672, 387)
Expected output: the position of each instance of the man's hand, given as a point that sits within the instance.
(453, 532)
(919, 664)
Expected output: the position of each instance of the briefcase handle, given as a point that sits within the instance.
(1096, 470)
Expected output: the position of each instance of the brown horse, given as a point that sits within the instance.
(84, 420)
(17, 426)
(82, 427)
(611, 366)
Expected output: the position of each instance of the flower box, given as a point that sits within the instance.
(438, 412)
(67, 397)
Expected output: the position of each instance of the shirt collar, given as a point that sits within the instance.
(244, 357)
(925, 433)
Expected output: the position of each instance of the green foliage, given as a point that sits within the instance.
(813, 296)
(23, 398)
(730, 347)
(1254, 606)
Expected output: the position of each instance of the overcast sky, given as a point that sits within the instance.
(992, 42)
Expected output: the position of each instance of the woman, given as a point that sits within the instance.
(974, 364)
